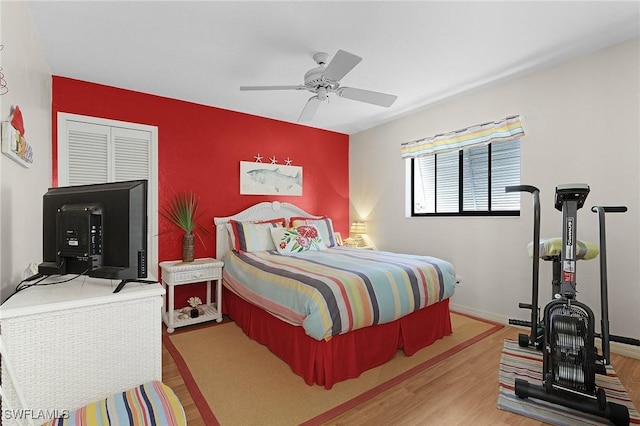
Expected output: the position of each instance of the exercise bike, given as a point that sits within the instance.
(566, 333)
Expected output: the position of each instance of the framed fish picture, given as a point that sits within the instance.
(270, 179)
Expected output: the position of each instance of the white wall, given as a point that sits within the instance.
(29, 81)
(582, 124)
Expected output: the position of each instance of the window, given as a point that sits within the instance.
(467, 182)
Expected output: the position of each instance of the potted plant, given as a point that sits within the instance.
(182, 211)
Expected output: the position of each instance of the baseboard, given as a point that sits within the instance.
(489, 316)
(625, 350)
(618, 348)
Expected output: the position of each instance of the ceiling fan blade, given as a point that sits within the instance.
(309, 109)
(298, 87)
(340, 65)
(376, 98)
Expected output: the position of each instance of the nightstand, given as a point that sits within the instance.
(178, 273)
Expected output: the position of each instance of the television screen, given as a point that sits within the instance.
(96, 230)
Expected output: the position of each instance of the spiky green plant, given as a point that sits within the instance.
(182, 211)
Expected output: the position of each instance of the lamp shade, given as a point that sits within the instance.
(358, 228)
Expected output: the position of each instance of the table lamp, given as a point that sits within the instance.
(359, 228)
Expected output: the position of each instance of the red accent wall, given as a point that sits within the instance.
(200, 149)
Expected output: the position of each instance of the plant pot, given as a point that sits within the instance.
(194, 313)
(188, 248)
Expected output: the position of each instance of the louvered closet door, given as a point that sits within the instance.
(86, 153)
(97, 153)
(131, 154)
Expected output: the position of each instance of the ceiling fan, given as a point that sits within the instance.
(325, 79)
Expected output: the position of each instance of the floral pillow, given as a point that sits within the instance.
(324, 225)
(297, 240)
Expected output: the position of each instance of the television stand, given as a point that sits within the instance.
(132, 280)
(113, 339)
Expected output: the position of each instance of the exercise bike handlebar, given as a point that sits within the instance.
(609, 209)
(521, 188)
(535, 192)
(604, 296)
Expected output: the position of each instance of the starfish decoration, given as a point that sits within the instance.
(258, 158)
(288, 161)
(273, 160)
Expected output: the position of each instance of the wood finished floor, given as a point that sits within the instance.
(461, 390)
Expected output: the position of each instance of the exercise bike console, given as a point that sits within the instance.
(571, 192)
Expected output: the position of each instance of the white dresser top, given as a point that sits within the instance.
(81, 291)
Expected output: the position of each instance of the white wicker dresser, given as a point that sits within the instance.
(73, 343)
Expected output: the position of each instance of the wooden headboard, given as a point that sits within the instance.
(261, 211)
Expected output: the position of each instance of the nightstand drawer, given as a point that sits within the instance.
(176, 272)
(198, 274)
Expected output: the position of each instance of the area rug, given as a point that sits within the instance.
(236, 381)
(526, 363)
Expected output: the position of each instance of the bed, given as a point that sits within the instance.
(332, 312)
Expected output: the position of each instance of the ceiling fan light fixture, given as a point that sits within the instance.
(322, 93)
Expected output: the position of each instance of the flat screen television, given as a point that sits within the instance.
(97, 230)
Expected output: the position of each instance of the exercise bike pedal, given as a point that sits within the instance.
(523, 340)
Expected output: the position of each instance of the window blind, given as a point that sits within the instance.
(486, 170)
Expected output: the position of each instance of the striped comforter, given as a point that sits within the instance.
(333, 291)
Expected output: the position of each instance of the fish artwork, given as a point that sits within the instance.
(275, 179)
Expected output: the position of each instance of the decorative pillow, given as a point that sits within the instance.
(280, 221)
(297, 240)
(324, 225)
(232, 236)
(254, 236)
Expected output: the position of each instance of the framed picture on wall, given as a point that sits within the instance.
(14, 145)
(270, 179)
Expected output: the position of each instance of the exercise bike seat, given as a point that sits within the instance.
(551, 248)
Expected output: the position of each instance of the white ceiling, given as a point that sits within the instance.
(422, 51)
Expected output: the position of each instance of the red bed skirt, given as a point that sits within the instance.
(345, 356)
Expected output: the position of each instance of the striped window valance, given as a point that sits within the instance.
(505, 130)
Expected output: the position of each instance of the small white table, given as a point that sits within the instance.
(178, 273)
